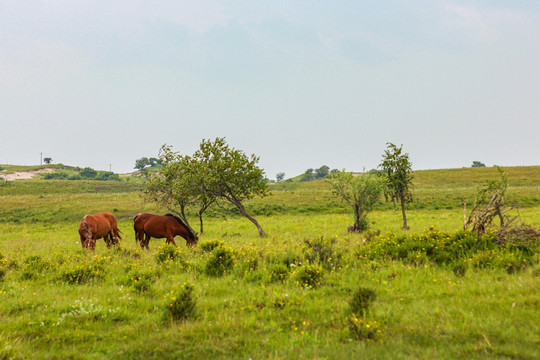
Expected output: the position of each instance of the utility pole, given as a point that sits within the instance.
(40, 158)
(110, 167)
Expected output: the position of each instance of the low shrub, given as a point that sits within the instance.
(322, 251)
(209, 246)
(168, 253)
(309, 276)
(2, 274)
(361, 301)
(220, 261)
(181, 304)
(82, 273)
(278, 272)
(362, 329)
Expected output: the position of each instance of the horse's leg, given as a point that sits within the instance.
(170, 239)
(107, 238)
(146, 242)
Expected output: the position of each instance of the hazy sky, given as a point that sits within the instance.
(299, 83)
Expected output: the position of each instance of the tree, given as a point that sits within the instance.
(141, 163)
(361, 192)
(322, 172)
(47, 160)
(280, 176)
(88, 173)
(397, 172)
(176, 186)
(229, 174)
(478, 164)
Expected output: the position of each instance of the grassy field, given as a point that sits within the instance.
(439, 294)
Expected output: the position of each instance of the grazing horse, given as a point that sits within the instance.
(158, 226)
(94, 227)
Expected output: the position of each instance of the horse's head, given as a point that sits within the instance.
(193, 240)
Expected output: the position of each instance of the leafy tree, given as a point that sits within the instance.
(229, 174)
(322, 172)
(361, 192)
(478, 164)
(176, 186)
(397, 172)
(280, 176)
(88, 173)
(141, 163)
(47, 160)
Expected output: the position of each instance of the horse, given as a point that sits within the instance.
(158, 226)
(101, 225)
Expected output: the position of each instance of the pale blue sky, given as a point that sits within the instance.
(299, 83)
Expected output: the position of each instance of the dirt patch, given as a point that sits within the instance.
(24, 175)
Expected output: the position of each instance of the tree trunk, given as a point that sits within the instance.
(244, 212)
(201, 220)
(403, 212)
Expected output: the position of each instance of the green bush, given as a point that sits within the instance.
(82, 273)
(219, 262)
(168, 253)
(322, 252)
(181, 304)
(309, 276)
(209, 246)
(363, 329)
(278, 272)
(2, 274)
(139, 279)
(362, 300)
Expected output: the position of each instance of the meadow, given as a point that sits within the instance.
(310, 290)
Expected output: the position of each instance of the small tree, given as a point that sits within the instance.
(88, 173)
(397, 172)
(141, 163)
(47, 160)
(361, 192)
(322, 172)
(230, 174)
(478, 164)
(176, 186)
(280, 176)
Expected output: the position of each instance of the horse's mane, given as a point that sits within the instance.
(182, 223)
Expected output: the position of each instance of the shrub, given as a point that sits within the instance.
(181, 305)
(140, 280)
(81, 274)
(362, 300)
(460, 269)
(209, 246)
(219, 262)
(278, 272)
(309, 276)
(362, 329)
(168, 253)
(322, 251)
(2, 274)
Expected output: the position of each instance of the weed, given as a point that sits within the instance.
(168, 253)
(209, 246)
(362, 300)
(309, 276)
(278, 273)
(322, 251)
(219, 262)
(362, 329)
(82, 273)
(181, 304)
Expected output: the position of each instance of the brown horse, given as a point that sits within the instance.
(94, 227)
(158, 226)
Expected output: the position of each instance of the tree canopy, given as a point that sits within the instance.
(397, 172)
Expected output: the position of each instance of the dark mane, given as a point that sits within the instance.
(182, 223)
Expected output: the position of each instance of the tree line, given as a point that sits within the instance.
(217, 174)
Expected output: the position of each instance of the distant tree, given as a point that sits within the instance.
(478, 164)
(141, 163)
(107, 176)
(280, 176)
(397, 172)
(322, 172)
(361, 192)
(307, 176)
(88, 173)
(47, 160)
(229, 174)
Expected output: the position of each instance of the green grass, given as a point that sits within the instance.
(60, 302)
